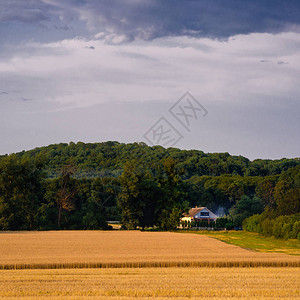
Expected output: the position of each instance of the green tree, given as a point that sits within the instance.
(245, 208)
(265, 189)
(48, 206)
(130, 202)
(65, 194)
(287, 192)
(150, 194)
(172, 204)
(171, 220)
(253, 223)
(21, 181)
(102, 199)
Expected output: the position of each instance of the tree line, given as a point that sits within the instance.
(109, 158)
(140, 191)
(31, 201)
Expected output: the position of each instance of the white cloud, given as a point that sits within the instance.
(220, 70)
(239, 81)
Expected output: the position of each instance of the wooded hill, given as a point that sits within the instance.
(82, 186)
(108, 159)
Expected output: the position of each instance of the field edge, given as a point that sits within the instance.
(192, 264)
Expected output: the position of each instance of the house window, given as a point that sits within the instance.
(204, 214)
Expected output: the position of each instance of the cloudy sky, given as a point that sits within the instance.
(99, 70)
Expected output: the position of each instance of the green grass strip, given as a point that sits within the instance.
(253, 241)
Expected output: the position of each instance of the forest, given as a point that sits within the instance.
(83, 186)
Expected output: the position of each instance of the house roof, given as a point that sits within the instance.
(193, 211)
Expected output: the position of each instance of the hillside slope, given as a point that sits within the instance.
(107, 159)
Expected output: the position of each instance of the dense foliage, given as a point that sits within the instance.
(109, 158)
(82, 186)
(281, 217)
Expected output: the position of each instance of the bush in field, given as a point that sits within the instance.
(296, 230)
(286, 227)
(267, 227)
(287, 230)
(282, 216)
(253, 223)
(278, 224)
(171, 221)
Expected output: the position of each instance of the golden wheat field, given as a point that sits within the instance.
(141, 265)
(54, 249)
(149, 283)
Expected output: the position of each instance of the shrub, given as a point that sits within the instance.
(221, 222)
(287, 230)
(252, 223)
(267, 227)
(296, 230)
(278, 227)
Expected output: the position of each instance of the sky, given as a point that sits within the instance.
(212, 75)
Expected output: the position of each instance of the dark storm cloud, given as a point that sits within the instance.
(210, 18)
(32, 11)
(149, 19)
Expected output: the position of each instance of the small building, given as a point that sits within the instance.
(199, 214)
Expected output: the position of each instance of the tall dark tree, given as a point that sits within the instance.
(265, 190)
(130, 202)
(170, 203)
(65, 194)
(101, 205)
(150, 194)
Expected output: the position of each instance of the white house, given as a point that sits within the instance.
(198, 214)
